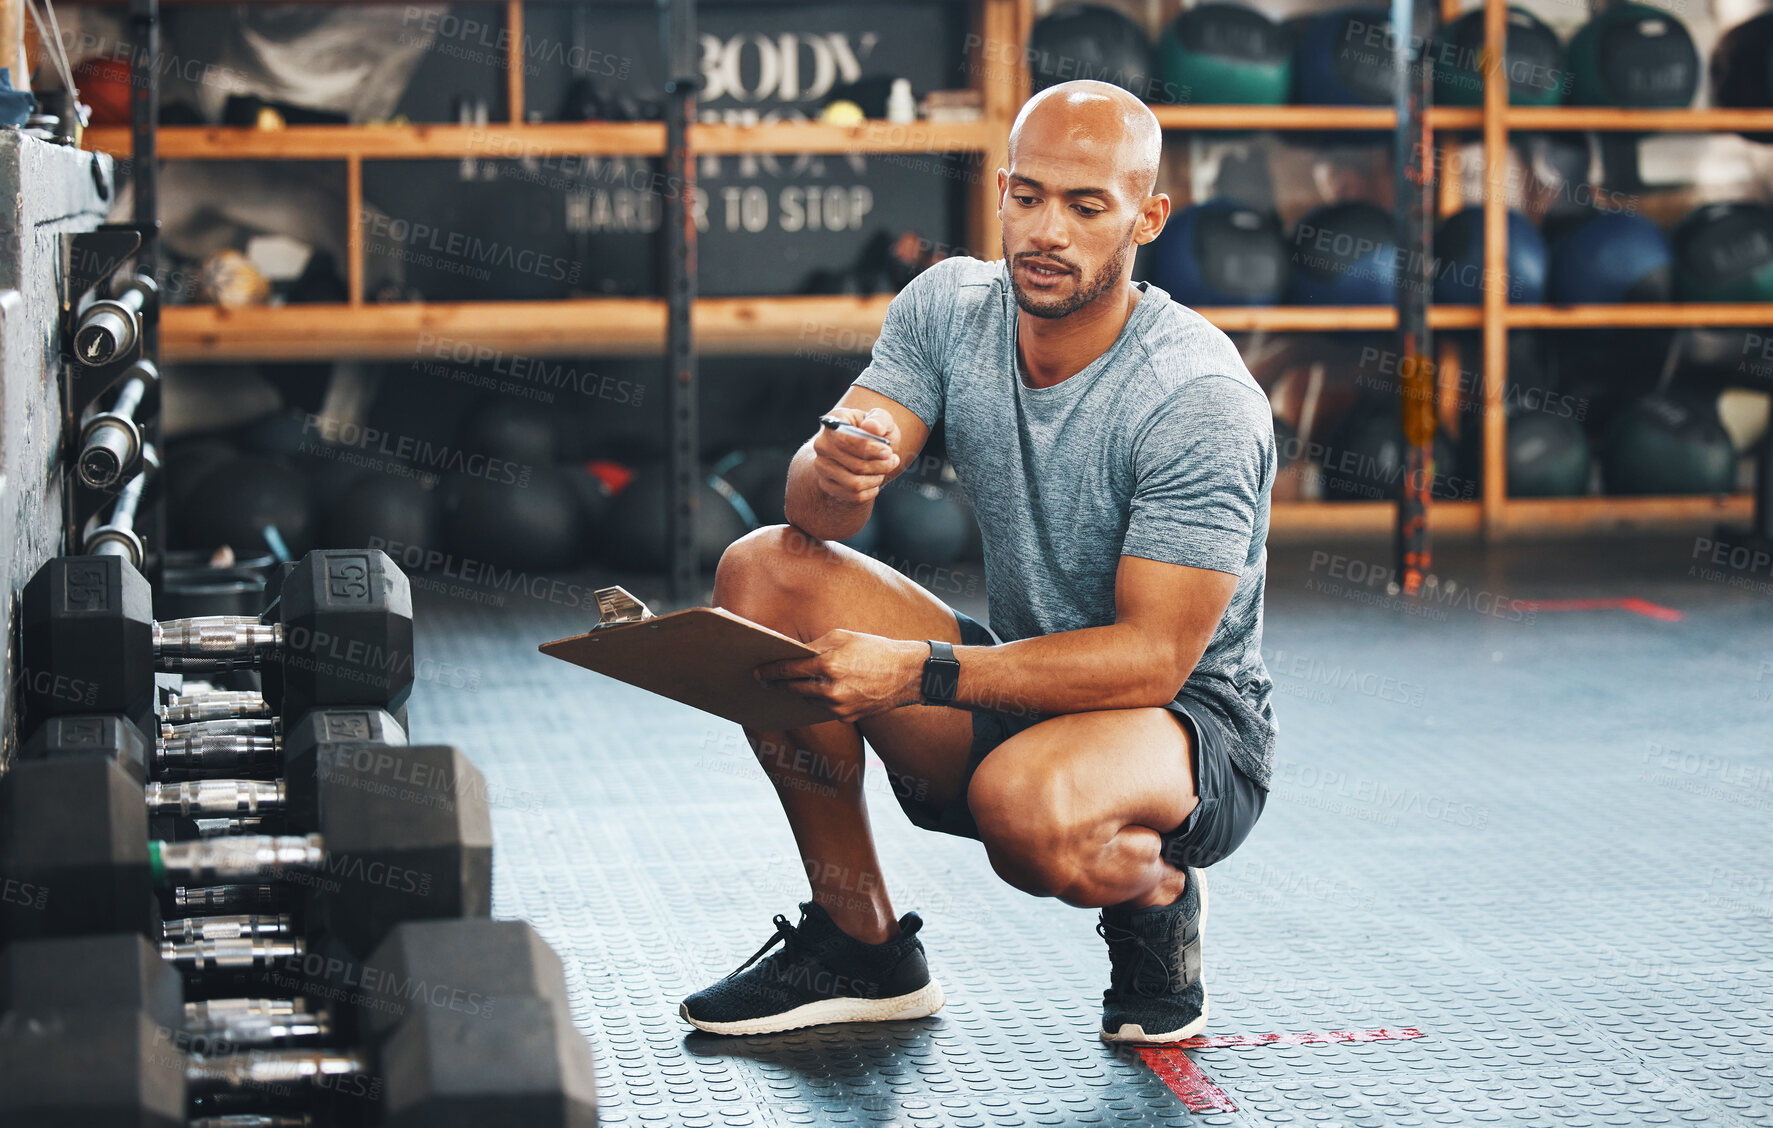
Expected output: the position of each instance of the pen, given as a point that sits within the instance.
(833, 423)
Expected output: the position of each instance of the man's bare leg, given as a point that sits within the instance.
(804, 587)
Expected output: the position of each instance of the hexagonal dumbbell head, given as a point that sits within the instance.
(90, 1067)
(321, 729)
(104, 735)
(74, 850)
(347, 633)
(408, 837)
(471, 965)
(88, 642)
(120, 971)
(519, 1065)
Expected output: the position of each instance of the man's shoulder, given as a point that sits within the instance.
(1189, 358)
(959, 278)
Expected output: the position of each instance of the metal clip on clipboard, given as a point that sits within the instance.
(617, 607)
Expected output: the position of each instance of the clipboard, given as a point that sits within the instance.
(700, 656)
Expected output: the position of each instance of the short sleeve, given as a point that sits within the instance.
(1203, 468)
(907, 363)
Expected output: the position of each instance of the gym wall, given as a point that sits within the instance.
(54, 191)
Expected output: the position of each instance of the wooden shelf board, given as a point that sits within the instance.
(424, 332)
(1611, 118)
(646, 139)
(1205, 118)
(1660, 315)
(1296, 522)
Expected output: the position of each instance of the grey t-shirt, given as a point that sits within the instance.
(1162, 448)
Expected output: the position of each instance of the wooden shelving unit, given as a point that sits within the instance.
(811, 324)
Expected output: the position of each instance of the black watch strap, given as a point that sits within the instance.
(941, 674)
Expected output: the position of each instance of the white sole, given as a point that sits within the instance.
(921, 1003)
(1132, 1032)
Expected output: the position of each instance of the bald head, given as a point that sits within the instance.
(1094, 127)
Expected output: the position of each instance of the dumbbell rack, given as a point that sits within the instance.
(273, 935)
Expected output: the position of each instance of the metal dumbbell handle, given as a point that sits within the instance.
(275, 926)
(270, 1067)
(209, 751)
(221, 860)
(226, 898)
(111, 442)
(226, 726)
(215, 642)
(254, 1120)
(117, 537)
(109, 327)
(267, 1030)
(222, 828)
(245, 953)
(223, 705)
(212, 798)
(220, 1012)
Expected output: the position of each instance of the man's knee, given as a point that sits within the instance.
(773, 559)
(1024, 821)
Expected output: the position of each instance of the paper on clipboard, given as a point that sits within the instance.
(700, 656)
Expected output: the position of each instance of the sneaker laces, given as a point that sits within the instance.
(786, 935)
(1120, 940)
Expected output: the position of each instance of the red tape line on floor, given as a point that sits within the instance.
(1631, 603)
(1198, 1093)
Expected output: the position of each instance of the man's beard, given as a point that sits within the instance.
(1087, 291)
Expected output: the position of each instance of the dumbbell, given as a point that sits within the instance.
(111, 441)
(488, 1043)
(111, 327)
(248, 748)
(342, 636)
(117, 536)
(401, 833)
(213, 705)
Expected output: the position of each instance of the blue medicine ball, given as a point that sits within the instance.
(1611, 257)
(1459, 260)
(1344, 254)
(1343, 58)
(1222, 253)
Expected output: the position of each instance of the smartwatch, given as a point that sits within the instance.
(941, 674)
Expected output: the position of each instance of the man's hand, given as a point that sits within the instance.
(857, 675)
(850, 468)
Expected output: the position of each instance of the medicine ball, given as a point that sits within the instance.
(1662, 445)
(1344, 254)
(1459, 260)
(922, 523)
(238, 499)
(1548, 455)
(1343, 58)
(1610, 257)
(514, 430)
(532, 524)
(1536, 74)
(1728, 356)
(1091, 41)
(1365, 460)
(186, 464)
(1634, 55)
(635, 534)
(1221, 253)
(383, 509)
(1742, 69)
(760, 474)
(1724, 253)
(1225, 54)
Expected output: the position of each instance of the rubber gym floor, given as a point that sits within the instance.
(1513, 870)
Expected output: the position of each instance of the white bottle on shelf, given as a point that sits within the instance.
(901, 106)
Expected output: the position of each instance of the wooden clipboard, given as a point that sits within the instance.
(700, 656)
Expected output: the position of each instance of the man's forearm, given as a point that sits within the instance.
(1111, 667)
(815, 512)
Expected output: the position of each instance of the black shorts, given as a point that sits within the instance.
(1230, 801)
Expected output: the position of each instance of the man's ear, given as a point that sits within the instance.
(1152, 218)
(1003, 184)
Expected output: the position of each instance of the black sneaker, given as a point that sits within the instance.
(821, 975)
(1155, 992)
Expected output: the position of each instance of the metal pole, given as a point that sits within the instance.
(682, 80)
(1413, 164)
(144, 166)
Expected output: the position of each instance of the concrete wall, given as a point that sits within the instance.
(46, 191)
